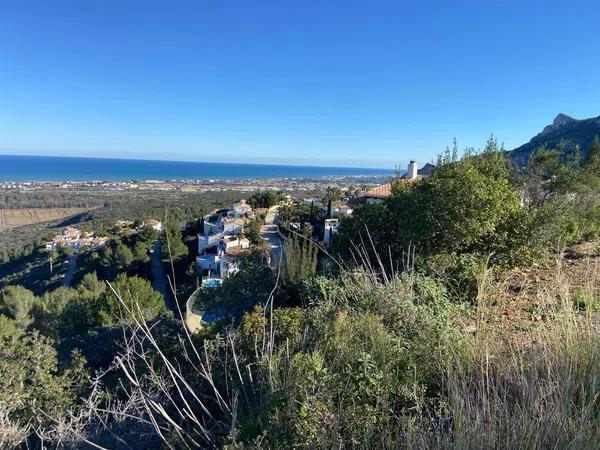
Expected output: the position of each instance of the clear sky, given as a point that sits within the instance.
(363, 83)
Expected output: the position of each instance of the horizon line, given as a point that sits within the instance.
(202, 162)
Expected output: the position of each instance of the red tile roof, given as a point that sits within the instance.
(382, 191)
(385, 190)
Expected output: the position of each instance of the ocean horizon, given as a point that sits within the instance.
(28, 168)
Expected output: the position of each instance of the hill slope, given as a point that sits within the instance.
(564, 129)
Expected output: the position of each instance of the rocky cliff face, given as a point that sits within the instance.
(564, 129)
(426, 170)
(560, 121)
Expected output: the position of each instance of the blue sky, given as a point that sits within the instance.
(357, 83)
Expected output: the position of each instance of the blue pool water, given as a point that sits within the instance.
(211, 283)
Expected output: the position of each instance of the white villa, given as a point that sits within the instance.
(219, 266)
(219, 243)
(223, 225)
(229, 244)
(240, 210)
(208, 242)
(341, 208)
(76, 239)
(213, 232)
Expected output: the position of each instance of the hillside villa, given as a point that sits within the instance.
(240, 210)
(220, 242)
(76, 239)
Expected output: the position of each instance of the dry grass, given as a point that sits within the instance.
(515, 306)
(531, 377)
(13, 218)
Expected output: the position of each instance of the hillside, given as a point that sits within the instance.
(565, 129)
(16, 217)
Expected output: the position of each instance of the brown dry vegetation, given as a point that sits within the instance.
(517, 304)
(13, 218)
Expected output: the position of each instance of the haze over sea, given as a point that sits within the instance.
(55, 168)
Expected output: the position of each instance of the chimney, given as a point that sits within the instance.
(412, 170)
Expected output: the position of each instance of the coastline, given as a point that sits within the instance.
(50, 169)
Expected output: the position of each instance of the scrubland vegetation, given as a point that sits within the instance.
(98, 212)
(462, 312)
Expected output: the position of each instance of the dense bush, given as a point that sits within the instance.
(465, 207)
(34, 388)
(479, 206)
(264, 199)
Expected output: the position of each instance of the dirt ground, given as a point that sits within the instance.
(13, 218)
(515, 305)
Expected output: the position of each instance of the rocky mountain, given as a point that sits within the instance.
(564, 129)
(426, 170)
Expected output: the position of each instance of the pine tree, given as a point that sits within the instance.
(447, 155)
(173, 246)
(454, 150)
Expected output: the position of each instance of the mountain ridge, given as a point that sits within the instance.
(563, 129)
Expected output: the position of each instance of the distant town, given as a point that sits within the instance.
(274, 184)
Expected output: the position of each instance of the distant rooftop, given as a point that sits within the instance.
(382, 191)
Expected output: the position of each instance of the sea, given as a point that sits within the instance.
(20, 168)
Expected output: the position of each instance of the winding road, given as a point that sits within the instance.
(159, 281)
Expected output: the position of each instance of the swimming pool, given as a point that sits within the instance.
(212, 282)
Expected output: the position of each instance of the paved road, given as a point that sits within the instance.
(159, 281)
(271, 234)
(271, 215)
(72, 267)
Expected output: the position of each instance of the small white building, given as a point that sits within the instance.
(331, 228)
(233, 243)
(154, 224)
(341, 208)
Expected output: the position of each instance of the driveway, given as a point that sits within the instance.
(271, 233)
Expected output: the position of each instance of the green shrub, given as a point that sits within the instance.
(459, 273)
(586, 301)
